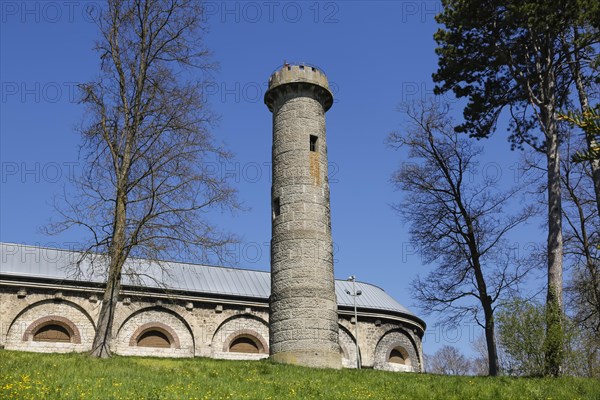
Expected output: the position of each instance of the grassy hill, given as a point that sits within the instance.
(75, 376)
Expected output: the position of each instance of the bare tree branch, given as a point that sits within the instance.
(457, 225)
(144, 192)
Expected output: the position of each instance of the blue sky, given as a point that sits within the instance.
(376, 55)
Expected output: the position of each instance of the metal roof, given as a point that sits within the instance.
(47, 263)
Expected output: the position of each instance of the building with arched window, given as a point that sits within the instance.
(174, 309)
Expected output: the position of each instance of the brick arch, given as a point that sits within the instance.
(393, 339)
(31, 306)
(343, 328)
(264, 347)
(348, 350)
(402, 332)
(351, 336)
(240, 317)
(236, 326)
(158, 326)
(161, 308)
(141, 306)
(53, 319)
(161, 319)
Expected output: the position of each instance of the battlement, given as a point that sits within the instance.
(299, 73)
(289, 73)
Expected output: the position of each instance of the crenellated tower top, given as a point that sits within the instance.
(301, 74)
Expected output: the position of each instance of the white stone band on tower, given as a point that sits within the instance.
(303, 308)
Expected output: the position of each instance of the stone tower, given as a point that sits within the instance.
(303, 319)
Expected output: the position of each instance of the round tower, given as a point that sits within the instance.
(303, 309)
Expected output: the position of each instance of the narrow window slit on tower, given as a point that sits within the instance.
(276, 207)
(313, 143)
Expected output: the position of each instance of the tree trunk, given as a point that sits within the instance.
(554, 327)
(117, 254)
(102, 339)
(490, 339)
(486, 304)
(484, 298)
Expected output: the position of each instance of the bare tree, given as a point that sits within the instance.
(582, 251)
(144, 192)
(521, 59)
(448, 361)
(458, 225)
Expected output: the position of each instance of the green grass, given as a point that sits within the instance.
(76, 376)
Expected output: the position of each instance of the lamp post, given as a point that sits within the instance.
(354, 294)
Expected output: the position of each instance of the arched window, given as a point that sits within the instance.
(154, 338)
(52, 332)
(245, 344)
(399, 355)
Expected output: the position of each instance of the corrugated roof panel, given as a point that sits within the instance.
(265, 283)
(248, 285)
(203, 280)
(187, 276)
(235, 281)
(21, 260)
(244, 287)
(212, 283)
(222, 286)
(230, 282)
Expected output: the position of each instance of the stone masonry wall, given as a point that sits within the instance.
(20, 311)
(193, 323)
(237, 326)
(202, 329)
(162, 319)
